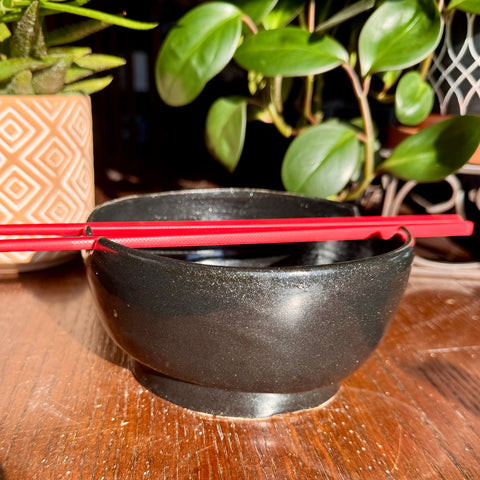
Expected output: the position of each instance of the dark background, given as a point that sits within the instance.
(141, 143)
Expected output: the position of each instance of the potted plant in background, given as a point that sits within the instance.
(46, 151)
(288, 50)
(453, 70)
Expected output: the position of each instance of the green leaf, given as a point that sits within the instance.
(399, 34)
(13, 15)
(283, 13)
(24, 33)
(413, 99)
(4, 32)
(255, 9)
(74, 74)
(95, 14)
(472, 6)
(12, 66)
(87, 87)
(435, 152)
(52, 79)
(75, 32)
(289, 52)
(27, 40)
(345, 14)
(99, 62)
(225, 130)
(78, 2)
(389, 78)
(20, 84)
(195, 50)
(321, 161)
(71, 51)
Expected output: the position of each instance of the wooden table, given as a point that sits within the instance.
(70, 409)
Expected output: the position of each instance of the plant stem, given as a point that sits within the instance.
(249, 23)
(302, 20)
(276, 93)
(425, 66)
(307, 102)
(310, 79)
(361, 92)
(279, 122)
(275, 107)
(311, 16)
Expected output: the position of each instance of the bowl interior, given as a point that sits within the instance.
(218, 204)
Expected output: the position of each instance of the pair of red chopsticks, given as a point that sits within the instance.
(162, 234)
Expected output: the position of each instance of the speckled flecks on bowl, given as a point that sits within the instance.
(245, 331)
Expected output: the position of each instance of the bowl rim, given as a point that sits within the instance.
(145, 255)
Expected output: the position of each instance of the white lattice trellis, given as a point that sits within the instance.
(455, 71)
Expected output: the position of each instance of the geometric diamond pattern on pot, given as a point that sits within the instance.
(46, 165)
(50, 109)
(79, 126)
(15, 131)
(3, 160)
(79, 181)
(59, 209)
(54, 155)
(6, 215)
(17, 188)
(16, 257)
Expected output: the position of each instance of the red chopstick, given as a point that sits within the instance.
(162, 234)
(189, 226)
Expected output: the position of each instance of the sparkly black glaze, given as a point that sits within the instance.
(245, 331)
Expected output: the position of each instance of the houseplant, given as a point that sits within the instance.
(288, 49)
(46, 151)
(453, 71)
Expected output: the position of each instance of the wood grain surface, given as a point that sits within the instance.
(71, 409)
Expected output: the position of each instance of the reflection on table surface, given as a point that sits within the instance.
(70, 408)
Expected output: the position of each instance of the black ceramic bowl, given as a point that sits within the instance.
(245, 331)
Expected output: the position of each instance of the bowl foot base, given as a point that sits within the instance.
(229, 403)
